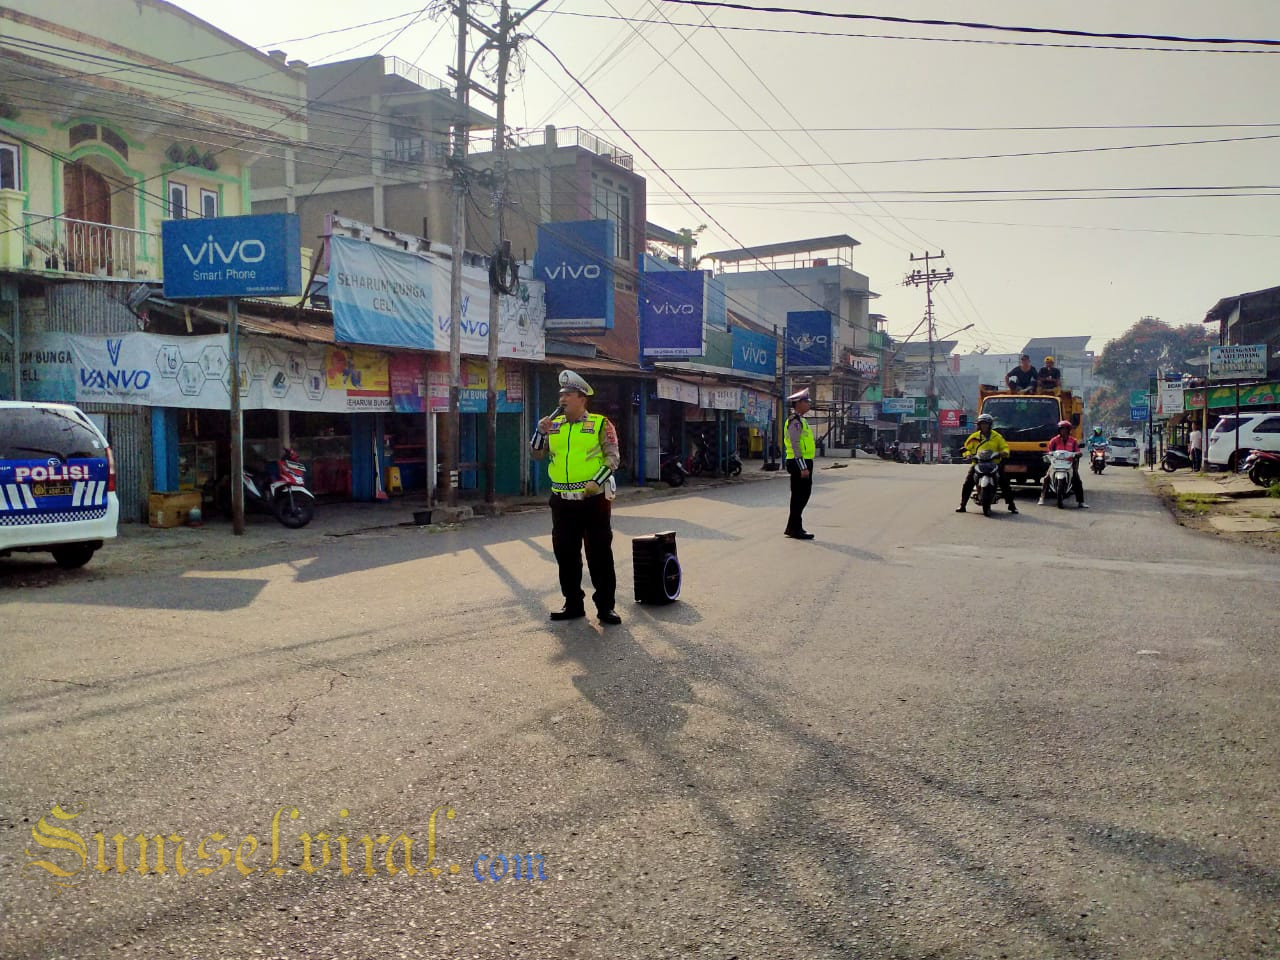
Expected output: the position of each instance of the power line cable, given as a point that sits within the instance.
(974, 25)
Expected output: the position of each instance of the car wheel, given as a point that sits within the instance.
(72, 556)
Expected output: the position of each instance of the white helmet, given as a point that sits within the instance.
(985, 418)
(571, 381)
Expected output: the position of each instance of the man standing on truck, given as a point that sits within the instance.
(1023, 377)
(986, 438)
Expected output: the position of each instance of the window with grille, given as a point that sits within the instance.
(178, 201)
(10, 167)
(208, 203)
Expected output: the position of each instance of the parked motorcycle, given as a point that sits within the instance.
(1175, 457)
(733, 464)
(671, 469)
(1098, 459)
(286, 497)
(986, 471)
(1262, 467)
(1061, 471)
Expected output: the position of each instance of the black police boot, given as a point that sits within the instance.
(609, 617)
(569, 612)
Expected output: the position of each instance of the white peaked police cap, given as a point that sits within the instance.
(571, 381)
(799, 395)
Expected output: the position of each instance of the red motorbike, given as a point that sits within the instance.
(287, 497)
(1262, 467)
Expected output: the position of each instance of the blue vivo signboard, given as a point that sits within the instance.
(671, 313)
(754, 352)
(575, 260)
(232, 257)
(809, 340)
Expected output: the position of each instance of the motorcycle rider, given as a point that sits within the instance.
(1065, 441)
(986, 438)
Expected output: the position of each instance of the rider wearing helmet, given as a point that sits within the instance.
(1096, 439)
(1048, 377)
(1065, 441)
(986, 438)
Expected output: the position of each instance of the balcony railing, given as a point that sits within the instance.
(394, 66)
(577, 137)
(82, 246)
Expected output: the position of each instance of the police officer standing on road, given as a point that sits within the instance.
(800, 448)
(581, 450)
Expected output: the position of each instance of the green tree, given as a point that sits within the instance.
(1148, 347)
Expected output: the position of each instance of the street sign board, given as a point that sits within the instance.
(254, 256)
(1139, 414)
(1238, 361)
(905, 405)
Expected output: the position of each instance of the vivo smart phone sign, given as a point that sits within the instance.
(671, 314)
(809, 340)
(575, 261)
(232, 257)
(754, 352)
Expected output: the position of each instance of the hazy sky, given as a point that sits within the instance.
(824, 126)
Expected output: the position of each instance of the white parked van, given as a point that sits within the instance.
(57, 482)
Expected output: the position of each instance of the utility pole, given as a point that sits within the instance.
(504, 39)
(452, 440)
(930, 278)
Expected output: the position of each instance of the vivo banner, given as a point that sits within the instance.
(754, 352)
(808, 341)
(392, 298)
(671, 314)
(575, 261)
(258, 256)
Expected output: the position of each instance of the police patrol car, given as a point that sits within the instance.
(57, 482)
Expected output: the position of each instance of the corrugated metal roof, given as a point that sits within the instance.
(782, 249)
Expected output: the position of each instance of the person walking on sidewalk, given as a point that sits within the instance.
(581, 450)
(800, 448)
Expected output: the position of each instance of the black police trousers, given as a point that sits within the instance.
(577, 525)
(801, 488)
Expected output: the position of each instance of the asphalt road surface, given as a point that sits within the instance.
(922, 735)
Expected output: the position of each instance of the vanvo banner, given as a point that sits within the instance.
(145, 369)
(391, 298)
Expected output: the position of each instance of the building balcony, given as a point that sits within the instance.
(45, 244)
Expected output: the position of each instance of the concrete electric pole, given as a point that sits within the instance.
(930, 278)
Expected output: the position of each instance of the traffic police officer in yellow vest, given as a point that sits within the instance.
(581, 450)
(800, 450)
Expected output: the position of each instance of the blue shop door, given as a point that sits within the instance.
(468, 456)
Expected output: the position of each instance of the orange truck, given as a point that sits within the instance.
(1028, 421)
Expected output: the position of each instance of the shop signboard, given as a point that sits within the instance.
(1239, 361)
(678, 390)
(757, 408)
(892, 405)
(671, 313)
(949, 419)
(575, 261)
(754, 352)
(808, 341)
(45, 368)
(251, 256)
(720, 398)
(1170, 397)
(1218, 398)
(474, 394)
(866, 367)
(391, 298)
(145, 369)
